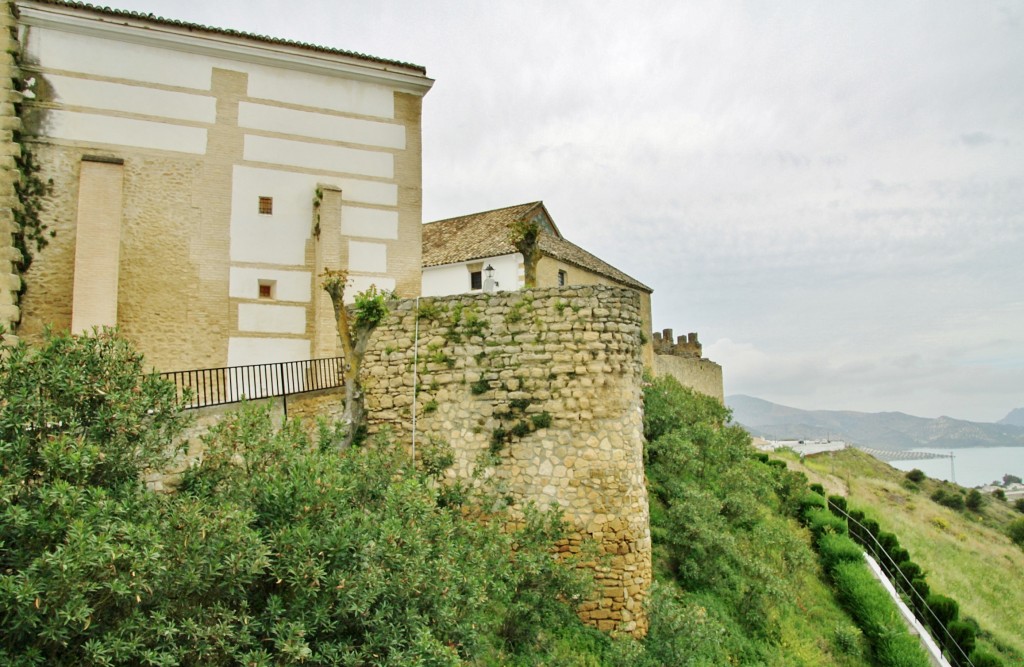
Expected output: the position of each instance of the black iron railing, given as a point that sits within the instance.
(217, 386)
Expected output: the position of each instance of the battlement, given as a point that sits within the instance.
(685, 346)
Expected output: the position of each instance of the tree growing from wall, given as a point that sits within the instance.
(525, 236)
(354, 329)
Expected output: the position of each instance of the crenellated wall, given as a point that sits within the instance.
(682, 360)
(550, 379)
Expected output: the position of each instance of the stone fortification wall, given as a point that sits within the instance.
(550, 380)
(701, 375)
(685, 346)
(10, 281)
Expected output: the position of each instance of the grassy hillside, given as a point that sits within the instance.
(281, 549)
(966, 555)
(738, 581)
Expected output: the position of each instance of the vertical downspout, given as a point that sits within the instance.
(415, 376)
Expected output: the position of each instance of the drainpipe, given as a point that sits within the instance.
(415, 376)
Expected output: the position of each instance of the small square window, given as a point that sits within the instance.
(563, 278)
(266, 205)
(266, 289)
(476, 280)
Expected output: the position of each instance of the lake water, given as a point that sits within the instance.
(975, 466)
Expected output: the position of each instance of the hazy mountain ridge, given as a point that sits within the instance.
(1015, 418)
(893, 430)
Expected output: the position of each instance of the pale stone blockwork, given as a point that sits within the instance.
(553, 377)
(701, 375)
(98, 245)
(223, 140)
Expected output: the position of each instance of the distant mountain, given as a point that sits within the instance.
(1015, 418)
(893, 430)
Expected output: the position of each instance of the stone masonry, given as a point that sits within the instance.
(550, 380)
(682, 360)
(10, 281)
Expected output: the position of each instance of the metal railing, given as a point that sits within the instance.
(204, 387)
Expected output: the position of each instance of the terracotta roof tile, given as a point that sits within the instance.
(486, 234)
(108, 11)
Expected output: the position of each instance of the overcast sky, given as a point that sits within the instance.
(831, 194)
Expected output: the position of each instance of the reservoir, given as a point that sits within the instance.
(973, 466)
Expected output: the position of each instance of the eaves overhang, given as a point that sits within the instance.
(132, 28)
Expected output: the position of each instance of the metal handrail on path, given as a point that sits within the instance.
(204, 387)
(920, 608)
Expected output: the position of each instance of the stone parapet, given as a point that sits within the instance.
(549, 380)
(687, 346)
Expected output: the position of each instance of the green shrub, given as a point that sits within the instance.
(520, 429)
(479, 386)
(942, 611)
(856, 522)
(900, 649)
(669, 406)
(876, 615)
(1019, 505)
(888, 544)
(982, 658)
(835, 548)
(950, 499)
(541, 419)
(275, 549)
(837, 505)
(974, 501)
(846, 639)
(821, 522)
(809, 501)
(1016, 531)
(371, 306)
(817, 488)
(519, 404)
(916, 476)
(919, 598)
(908, 571)
(960, 642)
(899, 554)
(715, 526)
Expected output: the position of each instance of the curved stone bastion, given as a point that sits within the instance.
(550, 381)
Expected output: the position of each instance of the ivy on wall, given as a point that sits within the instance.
(31, 233)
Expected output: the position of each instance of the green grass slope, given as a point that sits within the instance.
(737, 580)
(965, 554)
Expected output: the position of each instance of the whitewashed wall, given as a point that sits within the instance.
(454, 278)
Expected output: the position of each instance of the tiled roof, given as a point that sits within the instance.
(486, 234)
(108, 11)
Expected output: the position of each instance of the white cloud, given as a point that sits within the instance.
(839, 183)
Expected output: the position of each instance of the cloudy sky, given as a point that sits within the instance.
(831, 194)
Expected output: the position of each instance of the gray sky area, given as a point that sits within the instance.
(830, 193)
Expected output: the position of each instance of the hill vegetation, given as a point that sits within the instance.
(281, 549)
(966, 553)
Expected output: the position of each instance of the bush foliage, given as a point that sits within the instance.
(275, 550)
(717, 520)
